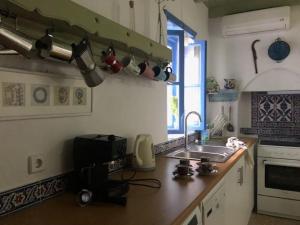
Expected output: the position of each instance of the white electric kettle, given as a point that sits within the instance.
(143, 154)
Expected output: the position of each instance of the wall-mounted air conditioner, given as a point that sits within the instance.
(256, 21)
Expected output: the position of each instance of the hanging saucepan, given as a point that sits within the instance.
(279, 50)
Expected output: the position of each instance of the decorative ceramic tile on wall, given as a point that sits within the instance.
(61, 95)
(40, 95)
(277, 115)
(174, 143)
(52, 187)
(22, 197)
(273, 108)
(79, 96)
(248, 130)
(19, 198)
(13, 94)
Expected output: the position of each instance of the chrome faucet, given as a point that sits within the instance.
(186, 138)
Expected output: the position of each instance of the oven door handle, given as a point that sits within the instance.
(266, 162)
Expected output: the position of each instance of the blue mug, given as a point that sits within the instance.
(159, 73)
(170, 76)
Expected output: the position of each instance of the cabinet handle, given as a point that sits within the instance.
(209, 213)
(241, 177)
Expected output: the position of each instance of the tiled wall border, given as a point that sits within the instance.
(31, 194)
(174, 143)
(28, 195)
(269, 132)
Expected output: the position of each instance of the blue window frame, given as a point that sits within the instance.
(188, 92)
(176, 43)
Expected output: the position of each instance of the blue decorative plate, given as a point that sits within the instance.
(279, 50)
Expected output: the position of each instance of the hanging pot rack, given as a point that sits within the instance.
(69, 22)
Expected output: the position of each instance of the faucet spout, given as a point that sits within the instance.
(186, 138)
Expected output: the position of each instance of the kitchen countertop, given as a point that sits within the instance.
(170, 204)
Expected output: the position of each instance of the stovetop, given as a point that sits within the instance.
(279, 141)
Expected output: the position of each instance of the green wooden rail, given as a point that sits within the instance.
(69, 22)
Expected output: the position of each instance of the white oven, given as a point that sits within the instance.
(278, 181)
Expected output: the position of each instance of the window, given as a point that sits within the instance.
(175, 91)
(188, 92)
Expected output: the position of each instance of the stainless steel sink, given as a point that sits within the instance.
(196, 152)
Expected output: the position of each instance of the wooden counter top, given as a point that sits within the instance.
(145, 206)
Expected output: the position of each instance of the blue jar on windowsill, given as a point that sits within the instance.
(205, 134)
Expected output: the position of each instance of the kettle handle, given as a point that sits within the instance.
(138, 141)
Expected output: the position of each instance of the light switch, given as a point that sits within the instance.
(36, 163)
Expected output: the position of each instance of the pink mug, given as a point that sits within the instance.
(146, 70)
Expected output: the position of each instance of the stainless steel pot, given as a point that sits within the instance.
(61, 52)
(14, 41)
(48, 48)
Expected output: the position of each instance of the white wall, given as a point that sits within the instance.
(123, 105)
(193, 14)
(232, 58)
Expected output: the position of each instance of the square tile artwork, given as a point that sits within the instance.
(79, 96)
(275, 115)
(40, 95)
(61, 95)
(13, 94)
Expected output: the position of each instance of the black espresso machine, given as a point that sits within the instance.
(92, 155)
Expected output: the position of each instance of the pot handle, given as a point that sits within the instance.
(138, 141)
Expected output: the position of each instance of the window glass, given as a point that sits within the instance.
(192, 67)
(282, 178)
(192, 102)
(173, 107)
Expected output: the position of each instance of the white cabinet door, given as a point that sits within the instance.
(213, 207)
(249, 185)
(239, 186)
(235, 199)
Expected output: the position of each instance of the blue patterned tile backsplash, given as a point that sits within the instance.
(274, 115)
(22, 197)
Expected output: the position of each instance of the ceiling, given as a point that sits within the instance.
(219, 8)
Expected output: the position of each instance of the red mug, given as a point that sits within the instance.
(109, 57)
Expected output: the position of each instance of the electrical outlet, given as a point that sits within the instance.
(36, 163)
